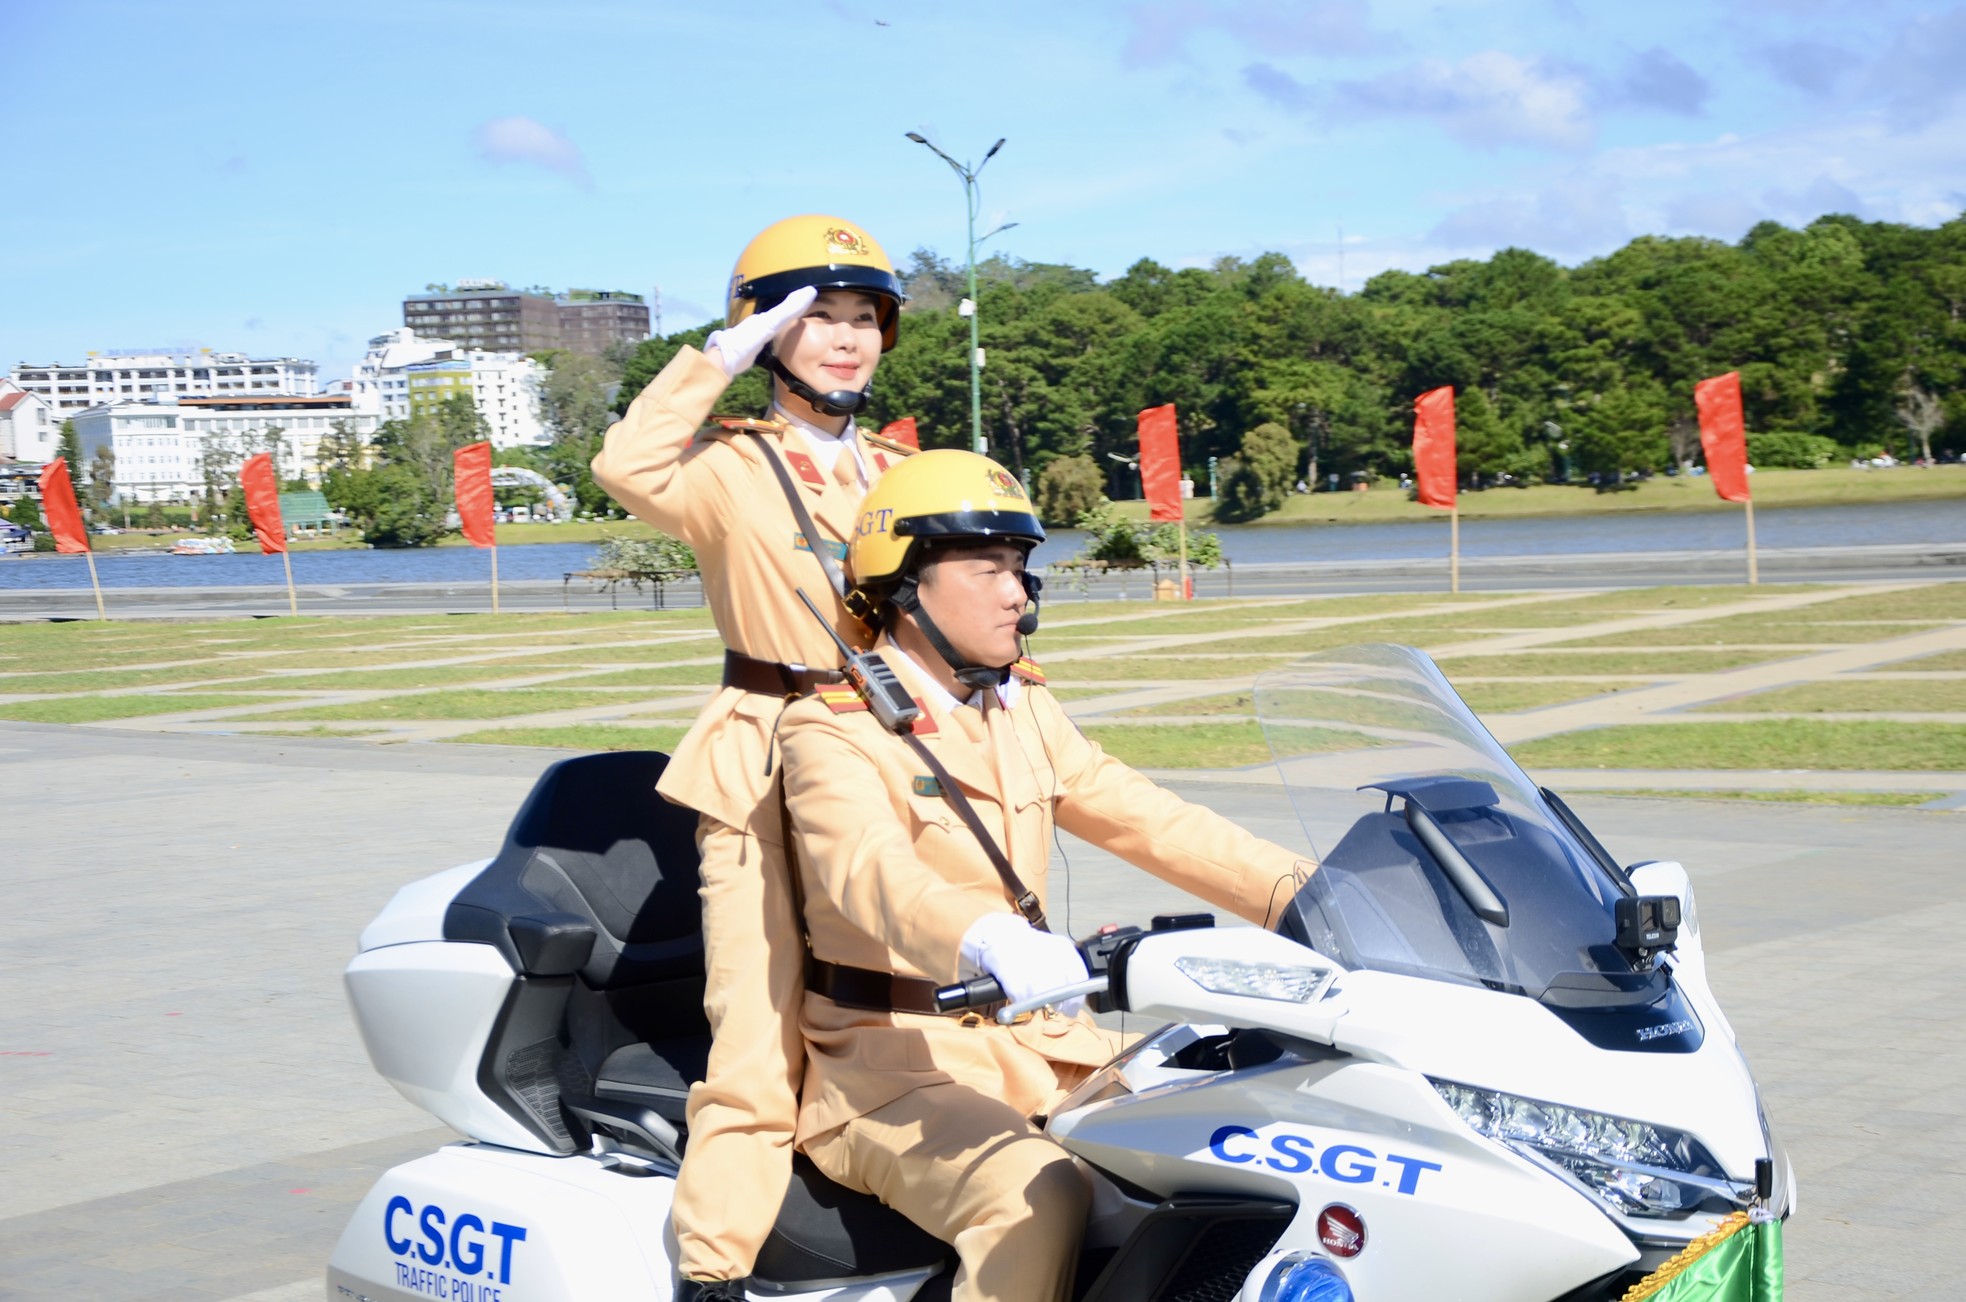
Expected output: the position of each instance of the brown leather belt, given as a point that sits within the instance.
(769, 678)
(879, 992)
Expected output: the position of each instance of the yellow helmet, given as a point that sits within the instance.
(941, 496)
(824, 252)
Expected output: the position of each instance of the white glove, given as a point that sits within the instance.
(1025, 961)
(738, 347)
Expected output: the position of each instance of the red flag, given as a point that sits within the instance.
(1433, 447)
(476, 511)
(59, 510)
(1160, 463)
(902, 431)
(263, 503)
(1723, 435)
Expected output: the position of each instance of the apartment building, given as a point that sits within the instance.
(29, 431)
(164, 449)
(490, 315)
(504, 387)
(136, 375)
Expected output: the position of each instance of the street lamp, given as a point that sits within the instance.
(973, 197)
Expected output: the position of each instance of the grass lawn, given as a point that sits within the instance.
(1776, 744)
(1899, 798)
(656, 675)
(102, 680)
(1910, 695)
(94, 709)
(1935, 599)
(466, 703)
(1185, 746)
(1943, 661)
(587, 736)
(363, 680)
(1758, 630)
(1238, 704)
(1168, 668)
(1772, 488)
(640, 653)
(1555, 664)
(1534, 693)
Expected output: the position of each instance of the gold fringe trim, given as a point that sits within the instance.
(1652, 1284)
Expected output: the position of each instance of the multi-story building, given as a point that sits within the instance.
(593, 319)
(380, 383)
(132, 376)
(29, 431)
(504, 387)
(486, 314)
(165, 450)
(489, 314)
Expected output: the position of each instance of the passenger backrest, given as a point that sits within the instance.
(595, 840)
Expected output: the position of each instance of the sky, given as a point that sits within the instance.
(274, 178)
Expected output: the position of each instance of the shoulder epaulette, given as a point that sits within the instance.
(754, 424)
(1027, 669)
(887, 445)
(841, 698)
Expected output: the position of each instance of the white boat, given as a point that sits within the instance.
(219, 546)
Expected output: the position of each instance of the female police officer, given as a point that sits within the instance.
(768, 507)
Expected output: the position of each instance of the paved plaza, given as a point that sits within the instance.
(189, 1114)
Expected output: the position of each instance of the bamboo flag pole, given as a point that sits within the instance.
(293, 602)
(1753, 577)
(494, 554)
(1187, 584)
(96, 583)
(1454, 549)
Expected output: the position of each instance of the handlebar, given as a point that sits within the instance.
(977, 992)
(1103, 954)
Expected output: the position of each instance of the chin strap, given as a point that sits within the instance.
(975, 677)
(840, 402)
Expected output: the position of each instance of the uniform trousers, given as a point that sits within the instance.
(975, 1173)
(743, 1114)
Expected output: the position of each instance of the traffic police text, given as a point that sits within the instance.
(453, 1257)
(1298, 1155)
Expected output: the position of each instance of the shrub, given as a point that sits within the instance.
(644, 558)
(1242, 496)
(1792, 450)
(1068, 488)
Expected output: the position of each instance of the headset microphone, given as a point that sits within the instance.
(1027, 623)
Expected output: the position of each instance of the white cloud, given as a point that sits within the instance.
(1488, 99)
(1578, 216)
(528, 141)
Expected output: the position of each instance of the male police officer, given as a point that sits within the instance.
(901, 893)
(768, 506)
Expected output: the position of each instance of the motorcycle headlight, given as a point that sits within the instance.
(1292, 983)
(1637, 1168)
(1306, 1279)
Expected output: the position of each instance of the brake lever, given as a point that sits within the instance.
(1091, 986)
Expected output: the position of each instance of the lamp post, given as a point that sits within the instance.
(973, 196)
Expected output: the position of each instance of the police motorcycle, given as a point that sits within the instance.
(1475, 1058)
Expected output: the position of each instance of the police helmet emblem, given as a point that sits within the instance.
(1004, 484)
(844, 240)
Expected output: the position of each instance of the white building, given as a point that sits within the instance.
(29, 430)
(379, 384)
(504, 387)
(165, 449)
(69, 387)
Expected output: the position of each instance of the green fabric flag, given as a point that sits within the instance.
(1746, 1266)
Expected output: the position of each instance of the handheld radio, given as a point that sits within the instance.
(871, 676)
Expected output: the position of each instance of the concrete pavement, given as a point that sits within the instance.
(190, 1116)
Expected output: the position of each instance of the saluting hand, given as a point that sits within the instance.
(737, 348)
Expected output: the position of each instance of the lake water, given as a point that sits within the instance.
(1801, 526)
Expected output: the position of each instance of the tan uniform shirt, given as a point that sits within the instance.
(716, 492)
(893, 879)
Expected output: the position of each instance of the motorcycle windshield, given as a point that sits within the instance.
(1438, 857)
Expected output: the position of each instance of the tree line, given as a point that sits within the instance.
(1850, 338)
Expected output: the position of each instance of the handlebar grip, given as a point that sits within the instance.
(978, 992)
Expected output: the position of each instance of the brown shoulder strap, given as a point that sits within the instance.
(802, 515)
(1025, 898)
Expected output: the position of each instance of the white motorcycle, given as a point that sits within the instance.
(1476, 1059)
